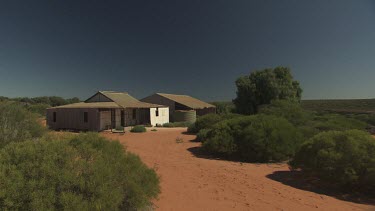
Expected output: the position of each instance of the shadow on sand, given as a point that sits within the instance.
(299, 180)
(200, 153)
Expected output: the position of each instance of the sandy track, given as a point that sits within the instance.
(190, 181)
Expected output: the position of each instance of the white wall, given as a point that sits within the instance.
(162, 118)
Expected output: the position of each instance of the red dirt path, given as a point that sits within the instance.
(190, 182)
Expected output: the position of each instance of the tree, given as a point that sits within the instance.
(261, 87)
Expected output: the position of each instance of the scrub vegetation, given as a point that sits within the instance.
(269, 124)
(138, 129)
(39, 105)
(42, 171)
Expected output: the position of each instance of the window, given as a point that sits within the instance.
(134, 113)
(54, 116)
(85, 117)
(157, 112)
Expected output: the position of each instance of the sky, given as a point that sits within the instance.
(73, 48)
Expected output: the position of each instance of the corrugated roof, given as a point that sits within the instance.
(186, 100)
(124, 100)
(91, 105)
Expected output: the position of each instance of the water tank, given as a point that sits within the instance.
(185, 116)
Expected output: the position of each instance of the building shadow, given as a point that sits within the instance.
(299, 180)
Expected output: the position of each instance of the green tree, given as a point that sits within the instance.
(261, 87)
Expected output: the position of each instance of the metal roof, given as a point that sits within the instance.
(124, 100)
(91, 105)
(186, 100)
(119, 100)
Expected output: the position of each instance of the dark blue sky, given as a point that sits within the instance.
(74, 48)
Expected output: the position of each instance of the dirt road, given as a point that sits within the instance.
(191, 181)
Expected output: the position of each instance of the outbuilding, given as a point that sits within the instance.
(106, 110)
(180, 104)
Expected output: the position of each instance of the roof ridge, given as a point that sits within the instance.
(103, 91)
(172, 94)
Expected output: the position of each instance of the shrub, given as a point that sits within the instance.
(338, 122)
(343, 158)
(40, 109)
(179, 140)
(85, 172)
(258, 138)
(177, 124)
(202, 135)
(224, 107)
(290, 110)
(120, 128)
(17, 124)
(138, 129)
(154, 130)
(208, 120)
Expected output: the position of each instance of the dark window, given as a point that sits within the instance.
(54, 116)
(85, 117)
(134, 113)
(157, 112)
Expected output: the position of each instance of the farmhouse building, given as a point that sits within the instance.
(106, 110)
(180, 104)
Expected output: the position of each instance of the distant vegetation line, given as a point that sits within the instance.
(340, 106)
(40, 104)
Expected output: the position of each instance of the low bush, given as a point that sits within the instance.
(209, 120)
(257, 138)
(202, 135)
(343, 158)
(40, 109)
(85, 172)
(138, 129)
(18, 124)
(327, 122)
(177, 124)
(290, 110)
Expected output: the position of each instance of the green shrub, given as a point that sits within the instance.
(344, 158)
(138, 129)
(17, 124)
(257, 138)
(368, 118)
(40, 109)
(337, 122)
(120, 128)
(85, 172)
(290, 110)
(202, 135)
(154, 130)
(209, 120)
(224, 107)
(177, 124)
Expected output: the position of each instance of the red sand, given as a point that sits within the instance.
(192, 183)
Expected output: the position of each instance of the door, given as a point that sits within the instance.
(113, 118)
(122, 118)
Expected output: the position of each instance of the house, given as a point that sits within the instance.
(180, 104)
(106, 110)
